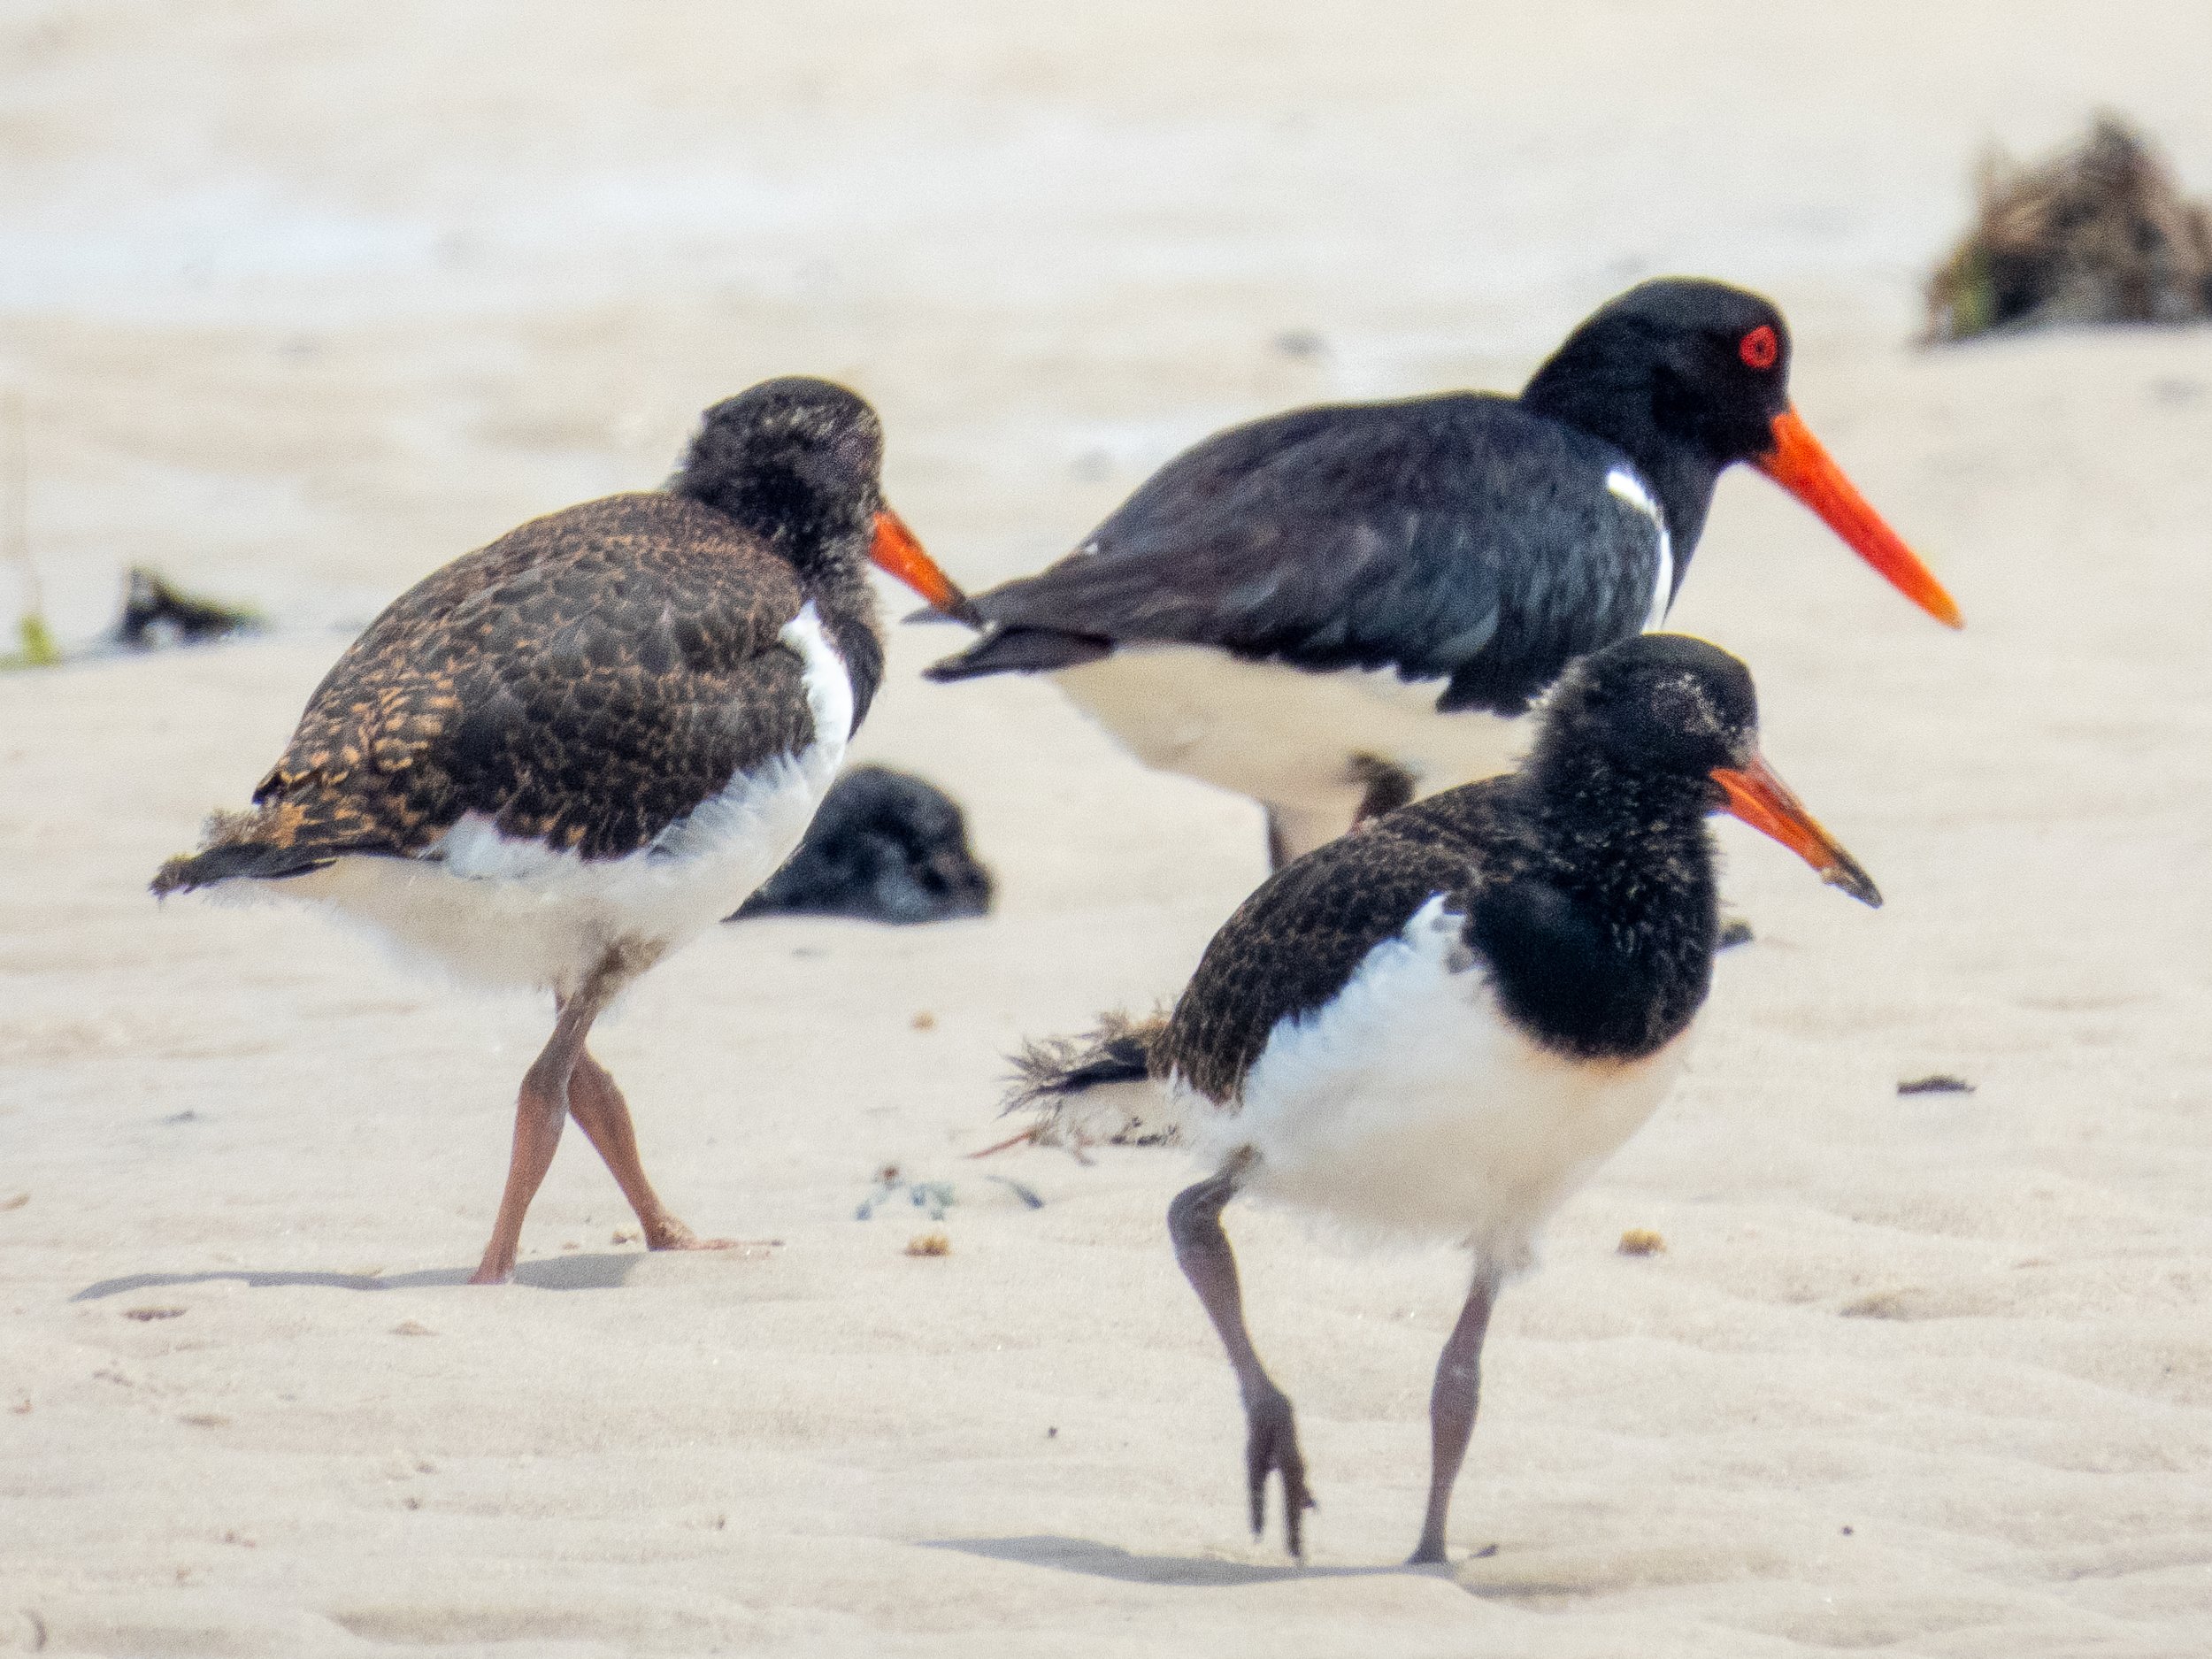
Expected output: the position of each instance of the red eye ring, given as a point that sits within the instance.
(1760, 347)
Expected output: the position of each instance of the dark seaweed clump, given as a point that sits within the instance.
(156, 614)
(885, 847)
(2100, 234)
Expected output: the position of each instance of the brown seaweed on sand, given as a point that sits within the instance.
(2099, 233)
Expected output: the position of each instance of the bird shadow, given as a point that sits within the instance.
(1109, 1560)
(582, 1271)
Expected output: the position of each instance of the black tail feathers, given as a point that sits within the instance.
(1020, 651)
(1073, 1085)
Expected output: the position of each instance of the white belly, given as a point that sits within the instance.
(1411, 1106)
(1282, 735)
(509, 912)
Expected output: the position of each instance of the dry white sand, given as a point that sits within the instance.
(306, 300)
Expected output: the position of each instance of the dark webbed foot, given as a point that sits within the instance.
(1270, 1444)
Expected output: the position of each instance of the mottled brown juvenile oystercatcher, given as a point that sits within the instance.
(1441, 1026)
(561, 757)
(1283, 609)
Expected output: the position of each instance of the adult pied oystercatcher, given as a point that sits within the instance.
(1283, 609)
(1440, 1027)
(561, 757)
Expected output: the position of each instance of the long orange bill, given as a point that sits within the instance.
(1799, 465)
(1764, 802)
(895, 550)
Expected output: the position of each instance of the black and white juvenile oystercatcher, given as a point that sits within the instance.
(565, 755)
(1439, 1027)
(1283, 609)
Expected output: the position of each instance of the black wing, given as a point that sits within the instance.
(1457, 536)
(1297, 941)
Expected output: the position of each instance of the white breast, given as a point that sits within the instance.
(506, 911)
(1410, 1105)
(1622, 482)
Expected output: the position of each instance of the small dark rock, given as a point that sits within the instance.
(1939, 1083)
(1735, 931)
(885, 847)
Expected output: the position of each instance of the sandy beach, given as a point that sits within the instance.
(304, 302)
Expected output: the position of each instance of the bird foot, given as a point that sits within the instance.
(1270, 1446)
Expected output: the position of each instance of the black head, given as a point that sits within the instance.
(796, 461)
(1698, 363)
(1656, 704)
(799, 462)
(1690, 377)
(1662, 723)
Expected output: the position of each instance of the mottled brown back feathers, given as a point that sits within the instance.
(585, 681)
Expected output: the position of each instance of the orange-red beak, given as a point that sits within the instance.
(895, 551)
(1799, 465)
(1764, 802)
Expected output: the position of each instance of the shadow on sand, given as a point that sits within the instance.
(555, 1272)
(1105, 1561)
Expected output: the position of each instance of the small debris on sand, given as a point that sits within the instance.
(1936, 1083)
(623, 1235)
(1640, 1241)
(1883, 1304)
(1020, 1190)
(934, 1197)
(15, 1203)
(929, 1244)
(1733, 932)
(412, 1327)
(2100, 234)
(923, 1021)
(143, 1315)
(156, 614)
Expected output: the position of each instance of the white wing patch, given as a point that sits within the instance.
(1622, 482)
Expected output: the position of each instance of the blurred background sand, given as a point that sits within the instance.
(303, 301)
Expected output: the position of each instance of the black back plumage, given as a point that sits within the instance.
(1420, 536)
(591, 677)
(1584, 881)
(1468, 537)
